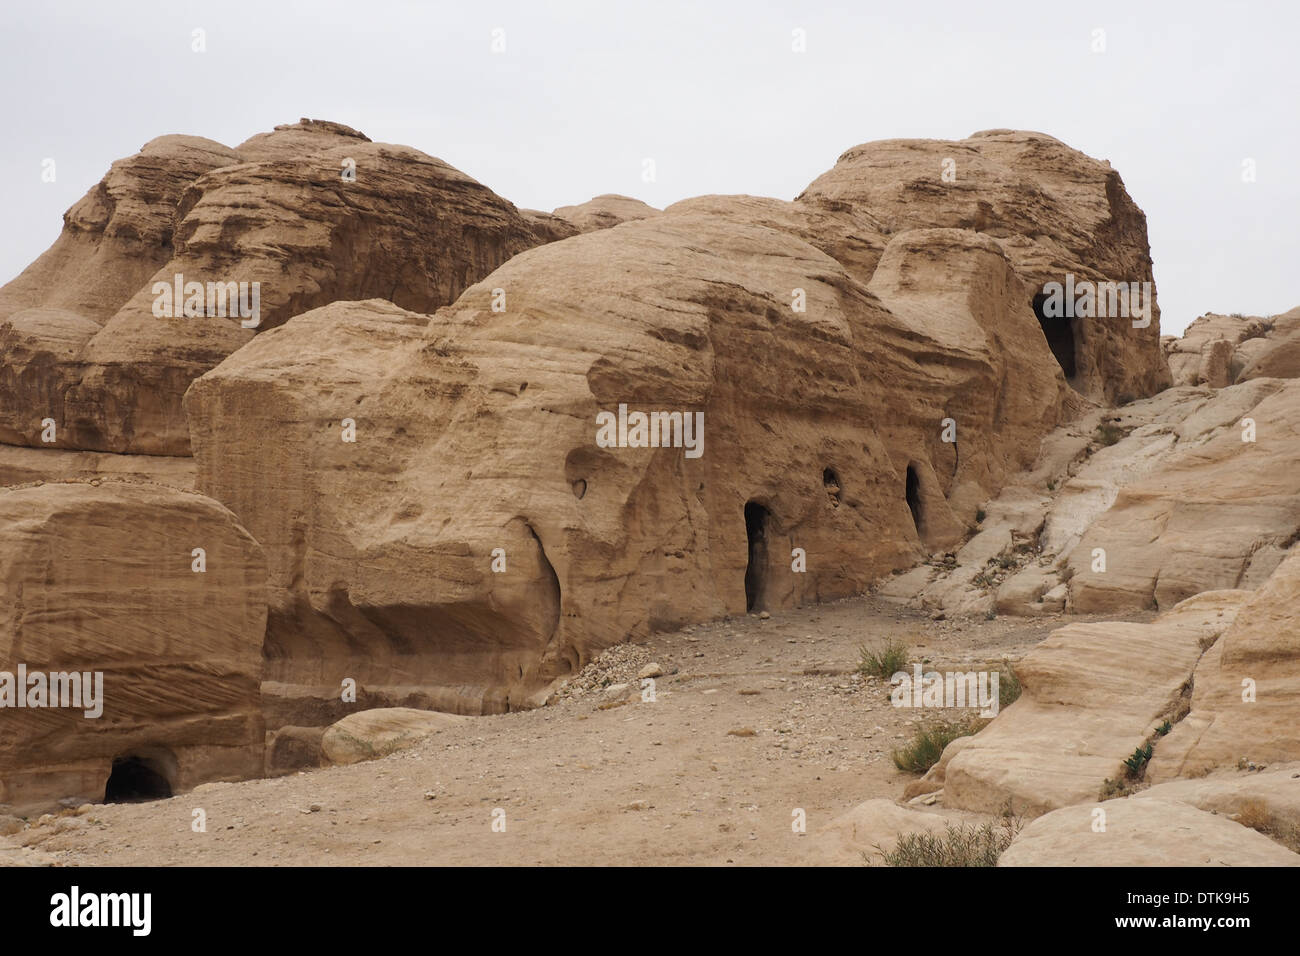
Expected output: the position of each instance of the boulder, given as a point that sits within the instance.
(1142, 832)
(370, 734)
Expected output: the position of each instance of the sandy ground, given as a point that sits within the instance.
(591, 780)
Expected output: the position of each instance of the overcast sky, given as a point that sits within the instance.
(1182, 95)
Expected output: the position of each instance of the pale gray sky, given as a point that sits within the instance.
(1184, 92)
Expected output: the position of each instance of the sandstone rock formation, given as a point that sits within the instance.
(20, 465)
(1131, 508)
(1210, 687)
(1091, 695)
(1142, 832)
(381, 550)
(1222, 350)
(1055, 211)
(410, 429)
(1247, 689)
(276, 211)
(605, 212)
(99, 577)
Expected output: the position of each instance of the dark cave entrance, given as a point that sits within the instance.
(757, 519)
(134, 779)
(1059, 333)
(913, 492)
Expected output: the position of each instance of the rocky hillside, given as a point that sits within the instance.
(313, 425)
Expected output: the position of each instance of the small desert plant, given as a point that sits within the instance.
(1256, 815)
(1108, 433)
(1114, 788)
(1139, 760)
(980, 516)
(1164, 728)
(927, 746)
(884, 662)
(1051, 484)
(965, 845)
(1008, 686)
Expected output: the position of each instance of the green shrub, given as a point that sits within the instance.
(884, 662)
(1139, 760)
(1108, 433)
(927, 746)
(1008, 686)
(966, 845)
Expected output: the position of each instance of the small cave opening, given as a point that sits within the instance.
(834, 490)
(1059, 333)
(912, 490)
(135, 779)
(757, 519)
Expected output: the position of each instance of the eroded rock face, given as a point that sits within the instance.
(1221, 350)
(1091, 695)
(1218, 512)
(1246, 699)
(117, 235)
(1131, 508)
(22, 466)
(276, 211)
(1142, 832)
(476, 430)
(98, 577)
(1055, 211)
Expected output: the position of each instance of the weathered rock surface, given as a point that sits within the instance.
(1268, 798)
(20, 465)
(98, 577)
(370, 734)
(605, 212)
(1091, 695)
(476, 431)
(1161, 493)
(1221, 350)
(117, 235)
(1142, 832)
(1054, 210)
(275, 211)
(1218, 511)
(1245, 703)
